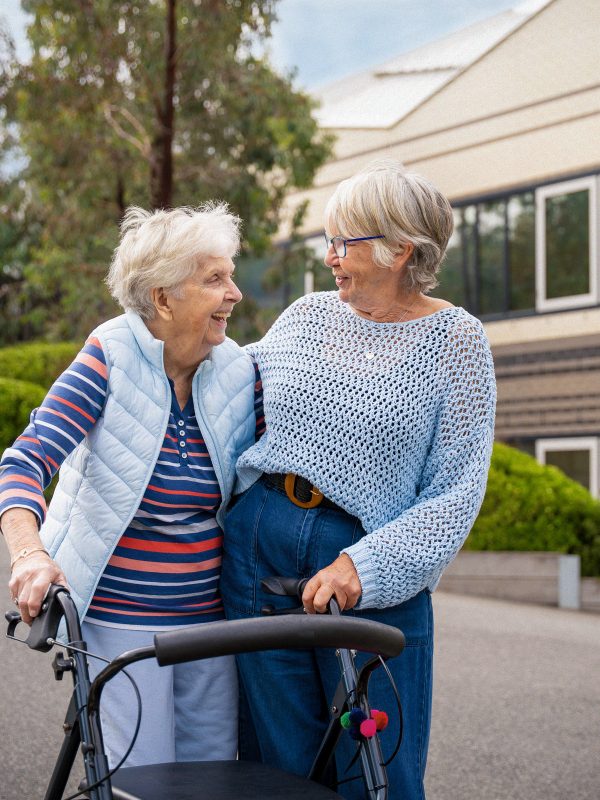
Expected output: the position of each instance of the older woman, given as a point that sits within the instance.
(379, 406)
(147, 423)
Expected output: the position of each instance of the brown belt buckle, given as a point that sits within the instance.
(290, 489)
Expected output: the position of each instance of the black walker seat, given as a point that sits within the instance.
(210, 780)
(217, 780)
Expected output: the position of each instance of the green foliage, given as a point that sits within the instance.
(92, 110)
(37, 362)
(17, 399)
(528, 506)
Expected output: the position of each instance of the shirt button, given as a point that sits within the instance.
(181, 444)
(180, 422)
(182, 433)
(184, 455)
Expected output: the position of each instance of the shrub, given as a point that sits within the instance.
(17, 399)
(37, 362)
(528, 506)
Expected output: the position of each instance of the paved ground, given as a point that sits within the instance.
(516, 705)
(516, 702)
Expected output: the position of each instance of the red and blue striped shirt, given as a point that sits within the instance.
(165, 569)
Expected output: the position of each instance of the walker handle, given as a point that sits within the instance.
(45, 626)
(284, 587)
(273, 633)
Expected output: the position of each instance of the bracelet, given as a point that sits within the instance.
(26, 552)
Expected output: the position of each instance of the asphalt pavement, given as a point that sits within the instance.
(516, 705)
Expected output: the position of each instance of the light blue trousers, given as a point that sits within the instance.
(189, 711)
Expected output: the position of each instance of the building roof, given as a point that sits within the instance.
(381, 97)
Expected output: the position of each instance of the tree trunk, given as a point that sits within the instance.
(161, 168)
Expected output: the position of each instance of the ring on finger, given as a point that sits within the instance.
(15, 601)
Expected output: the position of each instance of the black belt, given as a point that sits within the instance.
(299, 490)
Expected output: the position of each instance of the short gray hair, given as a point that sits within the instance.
(385, 199)
(165, 248)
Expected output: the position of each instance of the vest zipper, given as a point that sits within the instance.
(206, 431)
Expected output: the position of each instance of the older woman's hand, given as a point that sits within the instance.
(340, 579)
(29, 583)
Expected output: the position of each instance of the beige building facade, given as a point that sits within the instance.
(504, 117)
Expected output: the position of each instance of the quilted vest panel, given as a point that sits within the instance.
(103, 480)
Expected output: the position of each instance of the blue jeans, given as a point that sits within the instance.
(285, 693)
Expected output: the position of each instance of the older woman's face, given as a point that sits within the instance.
(208, 299)
(360, 281)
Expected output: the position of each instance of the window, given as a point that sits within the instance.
(566, 245)
(525, 251)
(490, 261)
(576, 457)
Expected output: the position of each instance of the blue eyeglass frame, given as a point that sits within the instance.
(330, 242)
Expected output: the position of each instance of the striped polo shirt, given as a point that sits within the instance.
(164, 571)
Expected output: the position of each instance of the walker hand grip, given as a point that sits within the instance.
(284, 587)
(45, 625)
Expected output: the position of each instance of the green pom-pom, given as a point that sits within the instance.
(345, 720)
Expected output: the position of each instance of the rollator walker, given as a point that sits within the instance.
(214, 780)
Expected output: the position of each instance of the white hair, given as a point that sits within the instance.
(165, 248)
(385, 199)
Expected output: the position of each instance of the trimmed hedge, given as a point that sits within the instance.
(528, 506)
(37, 362)
(17, 400)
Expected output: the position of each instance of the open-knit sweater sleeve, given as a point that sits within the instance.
(410, 552)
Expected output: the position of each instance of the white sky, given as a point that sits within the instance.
(327, 39)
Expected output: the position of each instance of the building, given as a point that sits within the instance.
(504, 116)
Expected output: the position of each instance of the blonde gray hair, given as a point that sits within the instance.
(164, 248)
(385, 199)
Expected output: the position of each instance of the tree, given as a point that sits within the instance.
(154, 103)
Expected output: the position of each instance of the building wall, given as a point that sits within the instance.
(527, 111)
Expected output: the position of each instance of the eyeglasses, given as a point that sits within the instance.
(339, 243)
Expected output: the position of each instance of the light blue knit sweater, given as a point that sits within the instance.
(392, 421)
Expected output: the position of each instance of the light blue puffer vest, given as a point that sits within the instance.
(102, 482)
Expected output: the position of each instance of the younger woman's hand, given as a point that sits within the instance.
(340, 579)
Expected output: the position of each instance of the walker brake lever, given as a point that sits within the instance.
(13, 618)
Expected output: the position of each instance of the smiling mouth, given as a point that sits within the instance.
(221, 317)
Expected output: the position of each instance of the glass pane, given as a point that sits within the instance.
(567, 244)
(468, 231)
(491, 257)
(451, 286)
(521, 251)
(574, 463)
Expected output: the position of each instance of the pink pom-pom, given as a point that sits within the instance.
(368, 728)
(381, 719)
